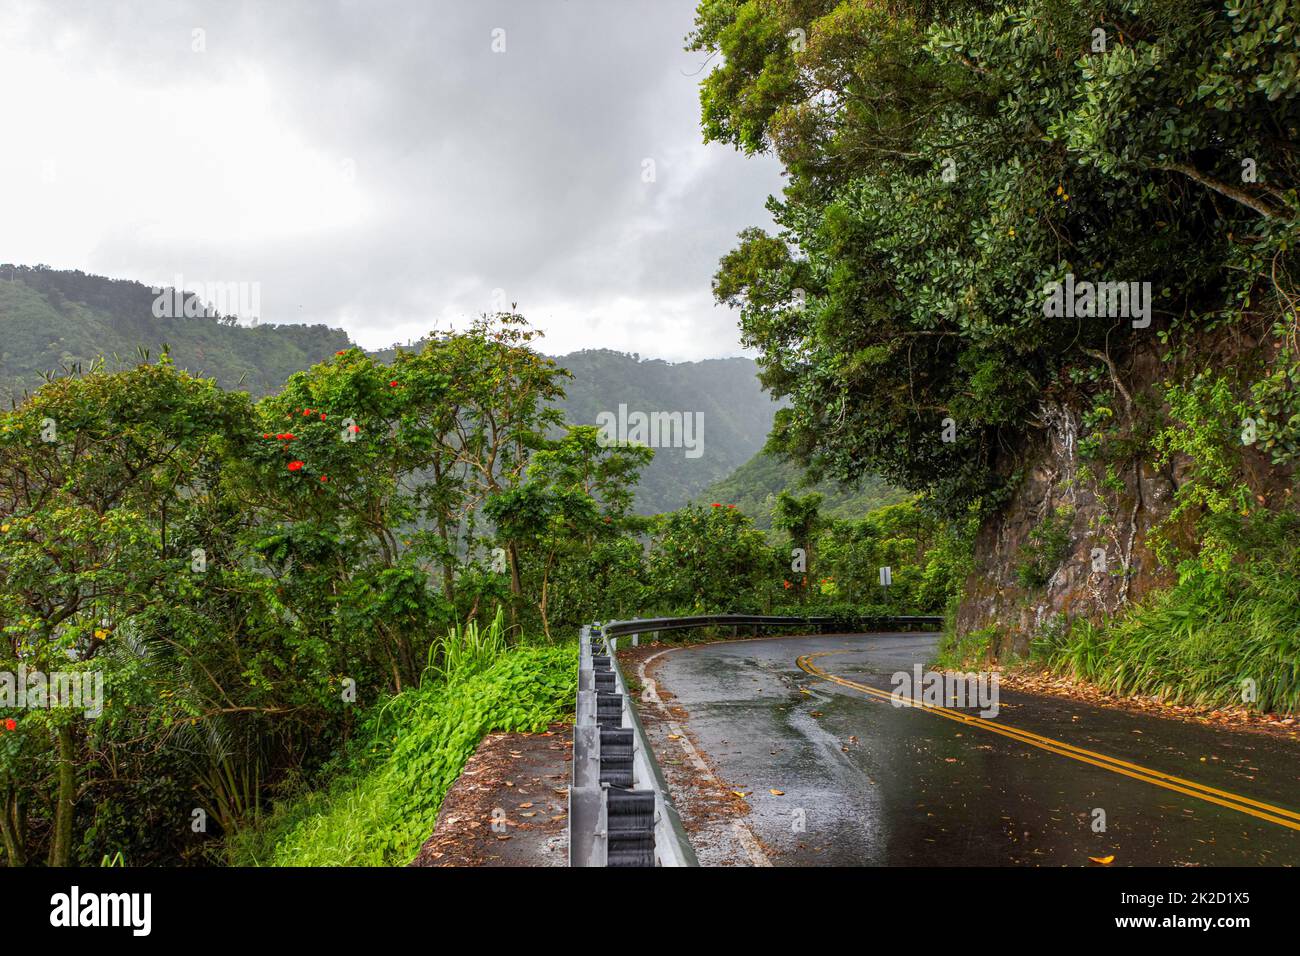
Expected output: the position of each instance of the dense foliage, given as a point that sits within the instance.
(1218, 638)
(952, 166)
(948, 160)
(381, 799)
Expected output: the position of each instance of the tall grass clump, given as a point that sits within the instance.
(468, 648)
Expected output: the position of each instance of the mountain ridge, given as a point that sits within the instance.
(61, 319)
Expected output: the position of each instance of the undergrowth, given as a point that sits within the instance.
(385, 796)
(1220, 637)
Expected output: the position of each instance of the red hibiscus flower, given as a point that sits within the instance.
(323, 479)
(341, 352)
(715, 505)
(322, 416)
(393, 384)
(11, 724)
(295, 466)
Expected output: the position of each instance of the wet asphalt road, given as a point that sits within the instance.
(875, 784)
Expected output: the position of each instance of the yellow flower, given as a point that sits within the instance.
(1011, 232)
(1060, 190)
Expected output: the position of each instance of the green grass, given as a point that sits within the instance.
(381, 812)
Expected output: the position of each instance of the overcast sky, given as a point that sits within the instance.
(378, 166)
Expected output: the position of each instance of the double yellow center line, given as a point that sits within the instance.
(1157, 778)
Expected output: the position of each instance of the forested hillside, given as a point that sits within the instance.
(318, 598)
(50, 320)
(756, 485)
(733, 412)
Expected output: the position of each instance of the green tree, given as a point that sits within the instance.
(93, 470)
(709, 560)
(947, 161)
(575, 492)
(801, 519)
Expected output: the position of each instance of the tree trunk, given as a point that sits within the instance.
(13, 828)
(516, 587)
(546, 577)
(448, 580)
(65, 804)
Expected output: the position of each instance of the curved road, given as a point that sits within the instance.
(865, 782)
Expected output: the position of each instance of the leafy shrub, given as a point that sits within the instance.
(1277, 396)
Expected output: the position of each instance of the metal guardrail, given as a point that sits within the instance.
(861, 625)
(620, 812)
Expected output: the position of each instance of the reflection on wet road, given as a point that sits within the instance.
(862, 781)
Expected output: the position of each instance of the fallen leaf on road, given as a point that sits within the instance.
(1103, 860)
(776, 793)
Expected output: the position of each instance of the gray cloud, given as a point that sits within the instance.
(378, 166)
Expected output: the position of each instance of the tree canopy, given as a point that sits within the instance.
(947, 162)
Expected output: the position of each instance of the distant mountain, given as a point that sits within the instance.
(754, 487)
(731, 415)
(51, 319)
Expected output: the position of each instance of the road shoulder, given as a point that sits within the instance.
(509, 806)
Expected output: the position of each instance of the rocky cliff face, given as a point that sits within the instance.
(1098, 520)
(1105, 559)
